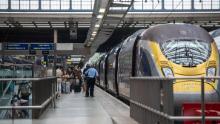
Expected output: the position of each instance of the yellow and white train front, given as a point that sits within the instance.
(190, 57)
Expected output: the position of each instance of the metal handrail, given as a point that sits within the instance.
(28, 79)
(11, 64)
(46, 102)
(203, 117)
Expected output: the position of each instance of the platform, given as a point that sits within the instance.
(74, 108)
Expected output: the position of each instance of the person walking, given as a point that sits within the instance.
(91, 74)
(84, 77)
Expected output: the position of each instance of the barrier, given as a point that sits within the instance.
(43, 93)
(152, 100)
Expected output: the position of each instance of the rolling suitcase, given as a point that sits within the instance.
(77, 88)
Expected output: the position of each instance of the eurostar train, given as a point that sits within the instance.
(216, 36)
(164, 50)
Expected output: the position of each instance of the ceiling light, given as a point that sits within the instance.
(93, 34)
(100, 16)
(97, 26)
(102, 10)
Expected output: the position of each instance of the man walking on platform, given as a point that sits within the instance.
(91, 74)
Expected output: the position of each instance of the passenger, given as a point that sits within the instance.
(72, 76)
(59, 74)
(65, 82)
(49, 72)
(85, 77)
(91, 74)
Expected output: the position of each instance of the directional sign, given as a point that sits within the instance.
(16, 46)
(46, 46)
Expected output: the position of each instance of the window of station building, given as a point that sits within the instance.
(65, 4)
(45, 4)
(15, 4)
(138, 5)
(87, 4)
(76, 4)
(24, 4)
(215, 4)
(55, 4)
(177, 4)
(34, 4)
(156, 4)
(206, 4)
(203, 4)
(3, 4)
(147, 5)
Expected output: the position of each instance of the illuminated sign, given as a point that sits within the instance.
(38, 46)
(16, 46)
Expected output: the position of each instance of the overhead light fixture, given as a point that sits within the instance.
(95, 29)
(93, 34)
(101, 10)
(97, 25)
(100, 16)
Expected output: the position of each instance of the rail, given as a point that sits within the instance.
(162, 88)
(28, 107)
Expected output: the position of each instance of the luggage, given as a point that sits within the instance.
(77, 88)
(65, 87)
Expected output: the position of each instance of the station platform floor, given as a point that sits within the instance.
(74, 108)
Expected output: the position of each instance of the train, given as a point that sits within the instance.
(166, 50)
(216, 36)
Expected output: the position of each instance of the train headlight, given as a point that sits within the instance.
(210, 73)
(167, 72)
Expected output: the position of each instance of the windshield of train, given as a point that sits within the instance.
(186, 52)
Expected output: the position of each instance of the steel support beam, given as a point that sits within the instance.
(103, 9)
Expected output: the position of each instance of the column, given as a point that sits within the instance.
(55, 37)
(55, 40)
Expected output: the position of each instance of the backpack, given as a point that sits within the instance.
(25, 89)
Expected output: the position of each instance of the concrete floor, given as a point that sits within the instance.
(77, 109)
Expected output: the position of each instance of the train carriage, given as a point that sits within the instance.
(170, 50)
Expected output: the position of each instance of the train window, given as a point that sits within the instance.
(186, 52)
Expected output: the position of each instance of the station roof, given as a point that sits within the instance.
(102, 17)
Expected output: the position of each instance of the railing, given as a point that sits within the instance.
(43, 92)
(152, 100)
